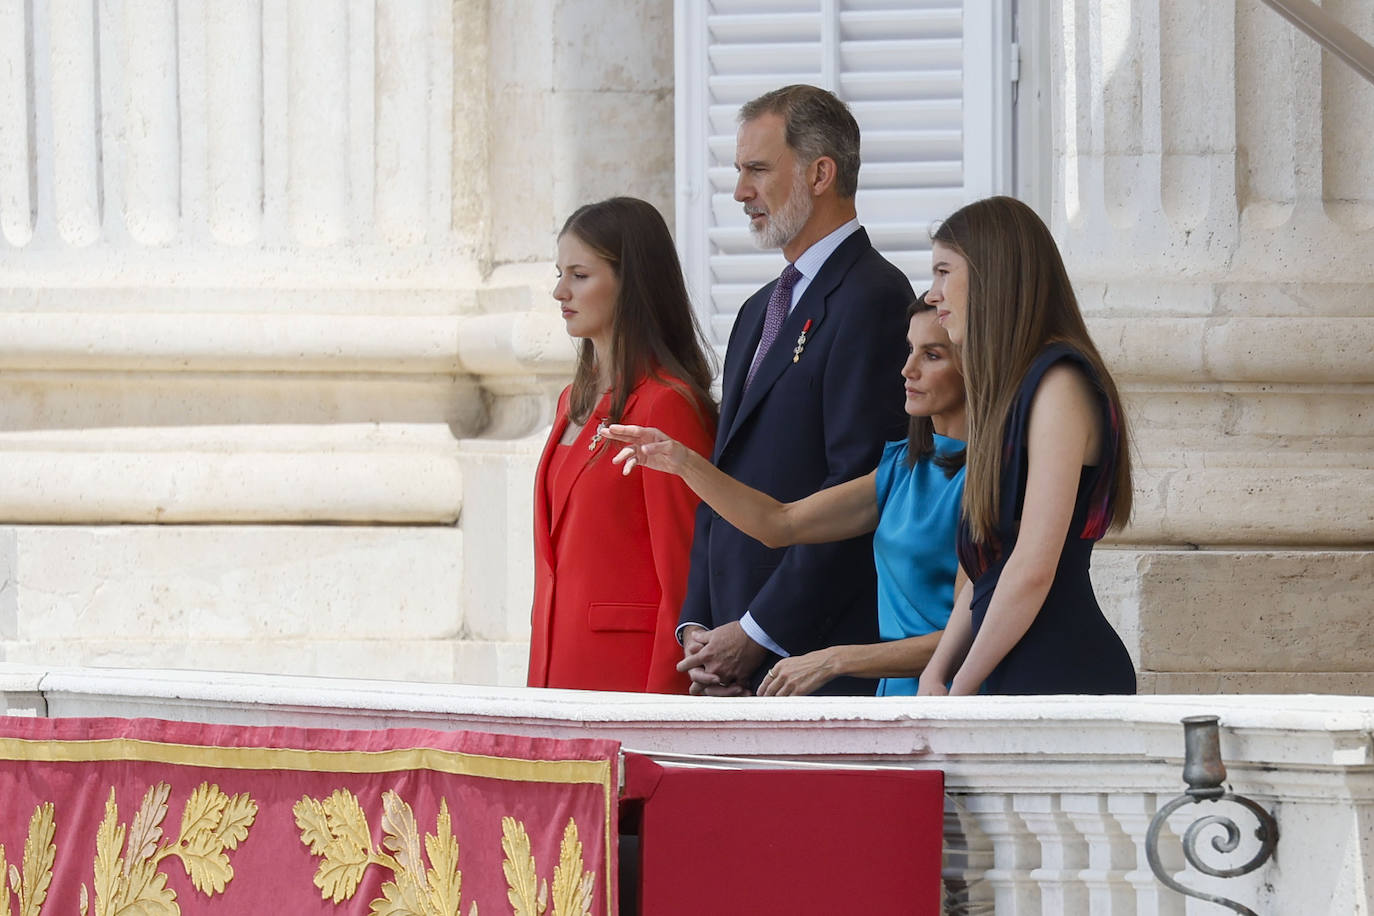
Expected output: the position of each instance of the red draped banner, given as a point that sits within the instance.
(105, 817)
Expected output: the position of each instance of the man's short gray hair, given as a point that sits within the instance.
(817, 124)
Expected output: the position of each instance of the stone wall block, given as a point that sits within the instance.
(521, 37)
(1248, 426)
(1337, 683)
(148, 586)
(1266, 126)
(469, 126)
(152, 162)
(1277, 350)
(593, 165)
(404, 52)
(318, 104)
(197, 485)
(17, 165)
(502, 664)
(1263, 506)
(334, 656)
(523, 167)
(1148, 143)
(1347, 124)
(498, 515)
(1266, 611)
(234, 121)
(160, 411)
(68, 128)
(1197, 118)
(590, 52)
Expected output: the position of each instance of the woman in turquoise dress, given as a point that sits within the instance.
(911, 502)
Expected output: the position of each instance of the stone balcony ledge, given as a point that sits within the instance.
(1048, 798)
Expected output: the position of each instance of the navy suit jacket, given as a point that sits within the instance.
(803, 426)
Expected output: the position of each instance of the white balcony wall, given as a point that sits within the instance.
(1048, 799)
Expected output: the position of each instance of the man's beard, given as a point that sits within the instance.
(787, 222)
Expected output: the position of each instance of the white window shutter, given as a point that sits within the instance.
(927, 80)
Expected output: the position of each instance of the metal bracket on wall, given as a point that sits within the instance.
(1204, 773)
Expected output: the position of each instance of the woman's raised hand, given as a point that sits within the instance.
(646, 446)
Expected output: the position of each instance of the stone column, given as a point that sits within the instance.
(1214, 198)
(580, 108)
(273, 284)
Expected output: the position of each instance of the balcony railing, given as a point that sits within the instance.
(1048, 798)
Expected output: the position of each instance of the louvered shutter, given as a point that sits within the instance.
(927, 80)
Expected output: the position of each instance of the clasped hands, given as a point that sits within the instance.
(720, 661)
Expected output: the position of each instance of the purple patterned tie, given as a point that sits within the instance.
(778, 305)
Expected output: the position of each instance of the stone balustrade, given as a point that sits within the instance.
(1048, 798)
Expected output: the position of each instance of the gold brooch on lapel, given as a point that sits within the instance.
(600, 434)
(801, 342)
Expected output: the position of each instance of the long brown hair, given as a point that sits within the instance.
(653, 329)
(920, 431)
(1019, 301)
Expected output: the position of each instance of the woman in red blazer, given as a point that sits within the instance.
(611, 561)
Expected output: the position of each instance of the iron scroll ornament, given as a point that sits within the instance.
(1205, 773)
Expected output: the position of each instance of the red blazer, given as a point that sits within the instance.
(611, 552)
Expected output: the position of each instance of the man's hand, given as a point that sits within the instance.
(694, 637)
(726, 656)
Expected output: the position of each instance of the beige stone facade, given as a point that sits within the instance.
(278, 354)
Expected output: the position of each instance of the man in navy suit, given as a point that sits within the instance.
(811, 391)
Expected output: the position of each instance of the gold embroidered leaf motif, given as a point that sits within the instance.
(314, 824)
(145, 830)
(109, 843)
(445, 880)
(404, 896)
(239, 814)
(152, 898)
(395, 902)
(206, 863)
(337, 830)
(526, 897)
(407, 895)
(217, 822)
(572, 888)
(39, 852)
(4, 888)
(399, 831)
(128, 883)
(203, 811)
(140, 883)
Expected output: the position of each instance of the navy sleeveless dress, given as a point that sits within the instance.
(1070, 647)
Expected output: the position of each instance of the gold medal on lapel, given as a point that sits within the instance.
(801, 342)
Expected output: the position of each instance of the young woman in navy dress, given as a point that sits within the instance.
(1048, 470)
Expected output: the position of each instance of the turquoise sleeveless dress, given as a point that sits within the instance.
(913, 546)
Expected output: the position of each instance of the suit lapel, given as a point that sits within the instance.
(543, 528)
(812, 306)
(737, 360)
(580, 459)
